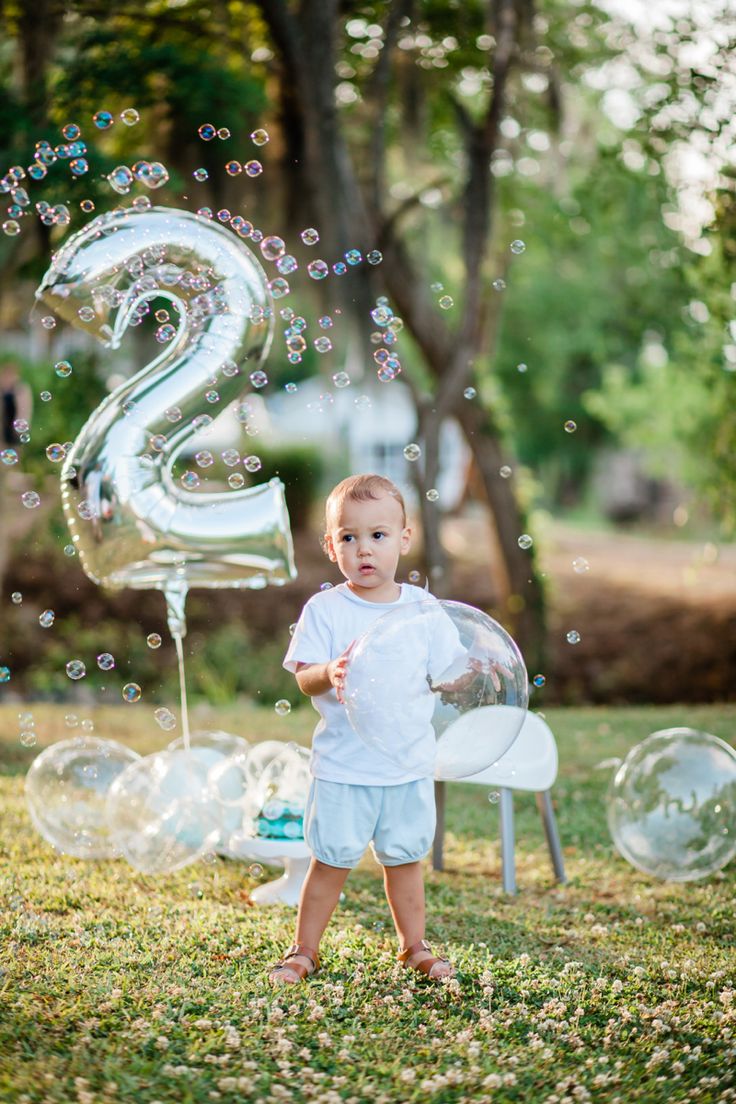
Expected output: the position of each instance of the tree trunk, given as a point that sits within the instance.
(526, 602)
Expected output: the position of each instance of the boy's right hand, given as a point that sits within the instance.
(337, 673)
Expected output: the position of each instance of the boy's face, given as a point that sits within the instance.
(365, 540)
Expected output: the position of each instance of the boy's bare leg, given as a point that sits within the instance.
(319, 896)
(405, 895)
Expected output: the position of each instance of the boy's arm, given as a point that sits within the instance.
(314, 679)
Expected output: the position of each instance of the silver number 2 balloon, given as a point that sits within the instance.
(132, 523)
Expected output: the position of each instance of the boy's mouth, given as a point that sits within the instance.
(366, 569)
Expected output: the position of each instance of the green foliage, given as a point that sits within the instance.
(679, 409)
(225, 664)
(301, 468)
(60, 419)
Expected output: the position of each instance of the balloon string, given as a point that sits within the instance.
(176, 596)
(182, 689)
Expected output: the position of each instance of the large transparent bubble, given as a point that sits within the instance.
(437, 687)
(213, 749)
(66, 790)
(672, 805)
(162, 813)
(280, 795)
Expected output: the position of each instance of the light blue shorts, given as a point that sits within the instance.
(340, 820)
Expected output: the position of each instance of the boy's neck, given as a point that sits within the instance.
(387, 592)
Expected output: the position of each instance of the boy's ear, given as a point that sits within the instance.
(329, 547)
(405, 540)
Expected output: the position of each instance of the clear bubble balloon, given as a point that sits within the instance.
(278, 795)
(66, 791)
(672, 805)
(161, 813)
(437, 687)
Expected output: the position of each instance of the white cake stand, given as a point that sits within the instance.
(293, 854)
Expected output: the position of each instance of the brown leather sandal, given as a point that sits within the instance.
(426, 964)
(297, 968)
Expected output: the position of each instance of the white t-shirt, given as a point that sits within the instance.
(330, 621)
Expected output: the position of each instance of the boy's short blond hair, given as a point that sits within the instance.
(362, 488)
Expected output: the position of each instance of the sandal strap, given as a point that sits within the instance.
(305, 952)
(422, 945)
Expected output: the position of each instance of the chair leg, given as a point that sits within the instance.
(438, 846)
(508, 863)
(544, 804)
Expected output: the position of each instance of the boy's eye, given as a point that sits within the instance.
(347, 537)
(378, 536)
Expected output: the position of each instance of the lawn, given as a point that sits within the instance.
(614, 987)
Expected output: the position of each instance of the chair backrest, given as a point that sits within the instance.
(529, 764)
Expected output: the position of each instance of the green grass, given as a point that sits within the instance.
(120, 987)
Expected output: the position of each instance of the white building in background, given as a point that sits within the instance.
(366, 426)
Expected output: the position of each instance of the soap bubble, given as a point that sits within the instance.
(76, 669)
(131, 692)
(521, 367)
(505, 472)
(30, 500)
(121, 179)
(45, 396)
(55, 452)
(46, 619)
(341, 379)
(66, 791)
(310, 236)
(469, 393)
(207, 132)
(573, 637)
(672, 805)
(258, 378)
(570, 426)
(4, 674)
(539, 680)
(153, 640)
(432, 494)
(259, 137)
(16, 598)
(374, 257)
(9, 457)
(200, 175)
(11, 228)
(443, 666)
(525, 541)
(28, 738)
(580, 565)
(102, 120)
(71, 131)
(412, 452)
(282, 707)
(105, 661)
(253, 168)
(318, 270)
(517, 247)
(273, 247)
(323, 344)
(253, 463)
(446, 301)
(165, 719)
(233, 168)
(223, 134)
(129, 116)
(415, 576)
(161, 813)
(236, 481)
(498, 285)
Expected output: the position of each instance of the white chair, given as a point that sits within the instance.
(529, 764)
(295, 857)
